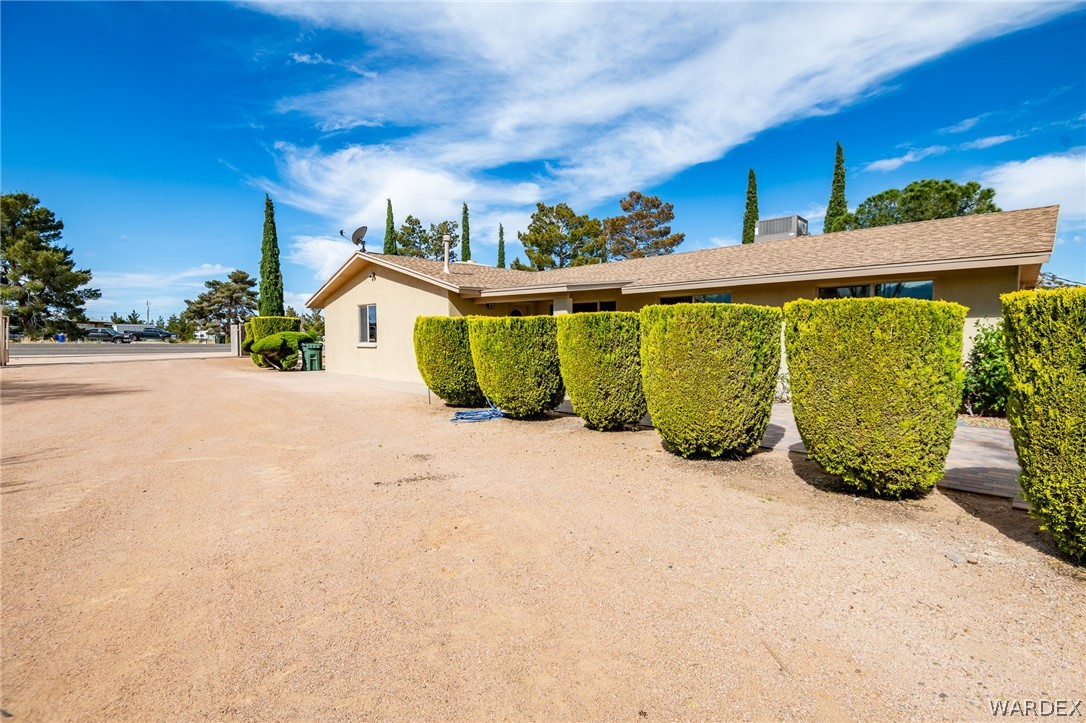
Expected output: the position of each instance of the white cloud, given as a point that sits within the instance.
(988, 142)
(1043, 181)
(166, 291)
(892, 164)
(478, 86)
(323, 254)
(962, 126)
(297, 300)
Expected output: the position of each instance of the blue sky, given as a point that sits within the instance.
(154, 129)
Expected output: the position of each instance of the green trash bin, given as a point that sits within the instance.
(311, 357)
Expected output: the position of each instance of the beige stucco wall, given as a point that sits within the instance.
(399, 298)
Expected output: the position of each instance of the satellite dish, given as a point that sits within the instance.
(358, 235)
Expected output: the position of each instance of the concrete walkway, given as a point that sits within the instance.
(981, 460)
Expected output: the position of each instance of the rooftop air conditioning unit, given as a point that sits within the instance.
(771, 229)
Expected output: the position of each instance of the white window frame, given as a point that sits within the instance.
(365, 341)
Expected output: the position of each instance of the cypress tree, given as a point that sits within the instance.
(465, 245)
(750, 216)
(271, 278)
(837, 210)
(390, 232)
(501, 247)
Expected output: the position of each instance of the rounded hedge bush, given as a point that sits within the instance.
(708, 373)
(262, 326)
(600, 359)
(443, 355)
(280, 350)
(876, 385)
(516, 363)
(1046, 354)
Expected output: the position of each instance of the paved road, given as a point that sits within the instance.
(148, 348)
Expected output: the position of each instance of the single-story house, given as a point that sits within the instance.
(371, 302)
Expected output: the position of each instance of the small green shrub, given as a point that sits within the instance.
(600, 359)
(247, 339)
(876, 385)
(516, 363)
(708, 373)
(281, 350)
(987, 381)
(262, 326)
(443, 355)
(1046, 355)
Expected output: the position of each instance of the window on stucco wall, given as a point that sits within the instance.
(367, 324)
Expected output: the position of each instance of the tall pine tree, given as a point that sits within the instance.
(501, 246)
(750, 216)
(390, 232)
(465, 243)
(271, 278)
(837, 210)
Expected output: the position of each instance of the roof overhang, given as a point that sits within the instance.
(850, 272)
(349, 267)
(549, 290)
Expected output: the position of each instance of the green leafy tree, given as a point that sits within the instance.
(923, 201)
(40, 288)
(465, 241)
(160, 322)
(116, 318)
(987, 379)
(271, 278)
(133, 318)
(1048, 280)
(390, 231)
(414, 240)
(837, 210)
(501, 246)
(520, 265)
(224, 303)
(750, 215)
(557, 237)
(643, 230)
(181, 326)
(313, 323)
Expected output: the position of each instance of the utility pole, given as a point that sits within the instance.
(148, 312)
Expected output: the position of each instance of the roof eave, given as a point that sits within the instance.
(850, 272)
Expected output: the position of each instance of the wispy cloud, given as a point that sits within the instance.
(1043, 181)
(963, 125)
(892, 164)
(988, 142)
(123, 291)
(318, 59)
(487, 85)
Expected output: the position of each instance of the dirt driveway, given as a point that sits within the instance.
(202, 539)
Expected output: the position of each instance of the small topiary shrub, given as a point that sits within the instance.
(600, 359)
(262, 326)
(876, 385)
(247, 339)
(708, 372)
(516, 363)
(987, 381)
(443, 355)
(1046, 355)
(281, 350)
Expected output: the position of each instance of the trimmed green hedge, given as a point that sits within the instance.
(1046, 352)
(516, 363)
(443, 355)
(281, 350)
(708, 373)
(247, 339)
(262, 326)
(600, 359)
(876, 385)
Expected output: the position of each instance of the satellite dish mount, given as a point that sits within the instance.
(358, 238)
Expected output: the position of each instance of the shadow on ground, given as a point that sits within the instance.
(21, 390)
(1014, 524)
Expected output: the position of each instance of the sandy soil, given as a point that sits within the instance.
(203, 539)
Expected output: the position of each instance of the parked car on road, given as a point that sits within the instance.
(151, 332)
(109, 335)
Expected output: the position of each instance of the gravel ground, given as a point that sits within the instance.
(202, 539)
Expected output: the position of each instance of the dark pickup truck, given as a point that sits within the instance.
(151, 332)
